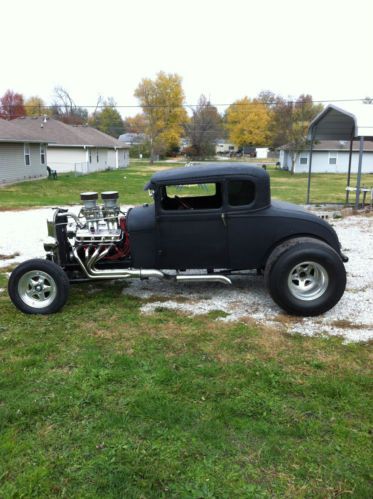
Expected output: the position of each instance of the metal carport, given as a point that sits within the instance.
(354, 122)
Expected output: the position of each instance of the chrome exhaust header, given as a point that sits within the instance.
(93, 273)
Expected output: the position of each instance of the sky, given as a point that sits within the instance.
(225, 49)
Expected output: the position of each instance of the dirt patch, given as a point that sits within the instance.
(346, 324)
(9, 257)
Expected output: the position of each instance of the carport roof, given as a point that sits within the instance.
(336, 123)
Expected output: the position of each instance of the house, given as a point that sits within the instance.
(132, 139)
(77, 148)
(329, 156)
(23, 153)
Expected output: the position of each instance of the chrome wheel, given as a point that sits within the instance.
(37, 289)
(308, 281)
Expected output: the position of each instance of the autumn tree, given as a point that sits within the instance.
(289, 121)
(162, 103)
(35, 106)
(203, 128)
(107, 119)
(64, 108)
(11, 105)
(247, 122)
(135, 124)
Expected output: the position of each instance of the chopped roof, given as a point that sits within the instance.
(55, 132)
(205, 172)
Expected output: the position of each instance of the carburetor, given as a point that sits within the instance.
(101, 222)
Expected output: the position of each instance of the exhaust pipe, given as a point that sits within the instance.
(204, 278)
(92, 273)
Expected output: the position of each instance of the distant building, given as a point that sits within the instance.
(329, 156)
(132, 139)
(223, 147)
(23, 153)
(74, 147)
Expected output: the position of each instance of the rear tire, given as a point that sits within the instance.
(305, 277)
(38, 287)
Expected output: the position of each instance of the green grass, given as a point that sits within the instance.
(130, 183)
(101, 401)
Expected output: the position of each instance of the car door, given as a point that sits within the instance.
(191, 227)
(244, 223)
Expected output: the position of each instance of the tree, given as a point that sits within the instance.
(11, 105)
(247, 122)
(135, 124)
(289, 123)
(108, 119)
(35, 106)
(65, 109)
(162, 103)
(203, 128)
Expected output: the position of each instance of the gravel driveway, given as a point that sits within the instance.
(352, 318)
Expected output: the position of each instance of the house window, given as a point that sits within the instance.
(241, 192)
(333, 158)
(97, 156)
(303, 160)
(27, 154)
(42, 154)
(90, 155)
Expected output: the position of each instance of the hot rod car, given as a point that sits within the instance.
(206, 223)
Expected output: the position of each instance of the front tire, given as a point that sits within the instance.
(38, 287)
(305, 277)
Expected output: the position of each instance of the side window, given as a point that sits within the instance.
(191, 197)
(42, 154)
(303, 160)
(97, 156)
(241, 192)
(26, 149)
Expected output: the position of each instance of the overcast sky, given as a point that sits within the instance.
(225, 49)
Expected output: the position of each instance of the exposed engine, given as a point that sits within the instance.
(100, 228)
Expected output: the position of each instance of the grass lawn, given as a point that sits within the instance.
(130, 183)
(101, 401)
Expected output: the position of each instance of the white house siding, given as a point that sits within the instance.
(123, 157)
(63, 159)
(67, 159)
(12, 163)
(320, 162)
(98, 159)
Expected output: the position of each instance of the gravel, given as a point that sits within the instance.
(23, 232)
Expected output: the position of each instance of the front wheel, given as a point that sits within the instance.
(38, 287)
(305, 277)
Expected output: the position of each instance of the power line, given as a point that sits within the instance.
(156, 106)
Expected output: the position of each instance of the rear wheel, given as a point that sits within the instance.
(38, 287)
(305, 277)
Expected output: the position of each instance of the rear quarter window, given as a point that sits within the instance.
(241, 192)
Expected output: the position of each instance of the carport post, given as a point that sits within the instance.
(349, 171)
(361, 152)
(310, 167)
